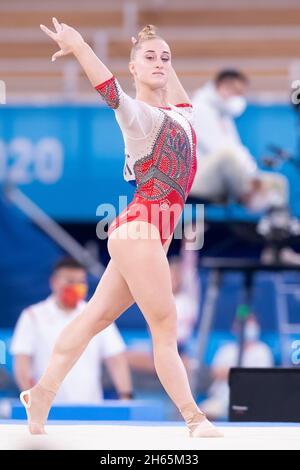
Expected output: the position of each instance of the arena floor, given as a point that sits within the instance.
(167, 436)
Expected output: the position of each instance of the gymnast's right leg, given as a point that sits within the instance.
(111, 298)
(144, 265)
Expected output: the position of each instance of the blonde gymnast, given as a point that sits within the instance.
(160, 152)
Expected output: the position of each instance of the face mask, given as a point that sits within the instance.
(235, 105)
(251, 332)
(71, 294)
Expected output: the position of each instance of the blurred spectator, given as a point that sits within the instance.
(38, 328)
(255, 354)
(226, 169)
(186, 290)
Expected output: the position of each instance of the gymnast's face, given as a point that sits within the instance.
(151, 64)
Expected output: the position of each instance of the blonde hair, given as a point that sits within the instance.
(147, 33)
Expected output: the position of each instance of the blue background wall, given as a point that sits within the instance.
(70, 158)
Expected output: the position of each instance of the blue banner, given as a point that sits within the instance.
(69, 159)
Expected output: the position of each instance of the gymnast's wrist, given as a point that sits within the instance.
(80, 48)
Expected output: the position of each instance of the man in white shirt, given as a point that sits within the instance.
(226, 169)
(255, 354)
(38, 328)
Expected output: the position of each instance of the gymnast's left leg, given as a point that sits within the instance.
(111, 298)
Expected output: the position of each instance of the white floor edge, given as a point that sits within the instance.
(147, 437)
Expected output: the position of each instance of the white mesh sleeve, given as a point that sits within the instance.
(187, 110)
(134, 117)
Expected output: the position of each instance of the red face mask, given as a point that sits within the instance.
(71, 294)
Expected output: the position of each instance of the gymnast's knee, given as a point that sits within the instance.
(163, 326)
(97, 318)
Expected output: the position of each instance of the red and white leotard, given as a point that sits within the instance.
(160, 155)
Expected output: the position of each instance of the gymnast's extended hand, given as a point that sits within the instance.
(66, 37)
(70, 41)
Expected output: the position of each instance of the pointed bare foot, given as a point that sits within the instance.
(37, 402)
(197, 422)
(205, 429)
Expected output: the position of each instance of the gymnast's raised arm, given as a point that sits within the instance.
(70, 41)
(175, 91)
(134, 117)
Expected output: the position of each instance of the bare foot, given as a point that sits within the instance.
(205, 429)
(197, 422)
(37, 402)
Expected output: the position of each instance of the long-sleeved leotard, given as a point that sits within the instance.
(160, 155)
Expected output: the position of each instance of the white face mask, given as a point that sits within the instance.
(251, 332)
(235, 105)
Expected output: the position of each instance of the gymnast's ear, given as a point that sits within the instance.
(131, 67)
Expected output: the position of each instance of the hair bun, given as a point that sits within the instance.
(147, 32)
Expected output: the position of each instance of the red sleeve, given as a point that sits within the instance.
(110, 92)
(184, 105)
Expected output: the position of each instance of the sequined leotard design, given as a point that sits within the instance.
(160, 156)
